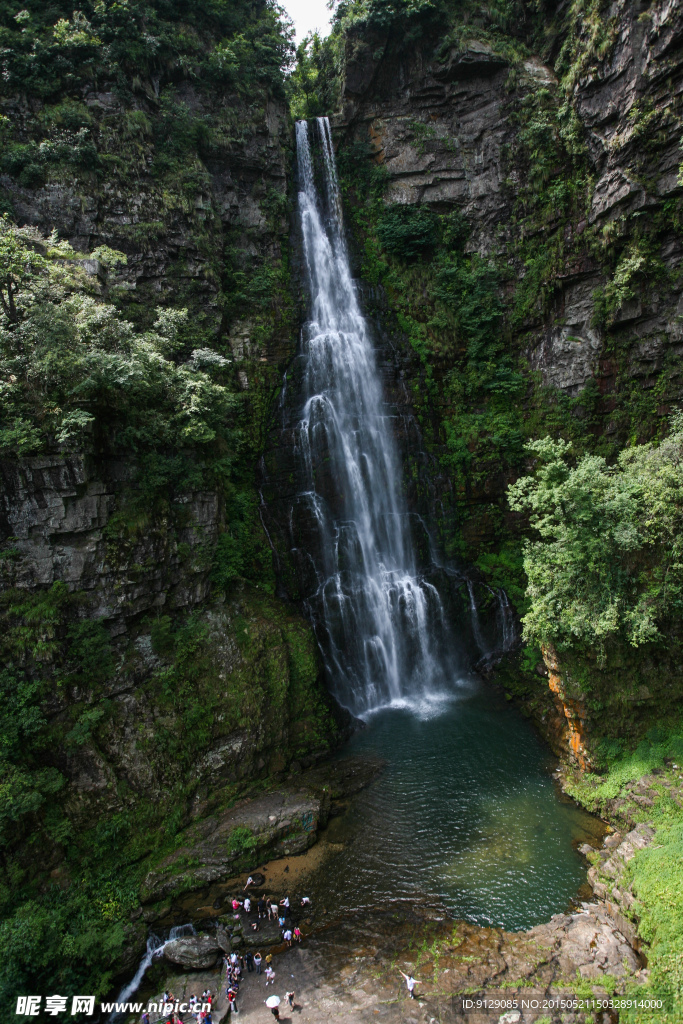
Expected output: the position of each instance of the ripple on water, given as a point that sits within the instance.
(466, 818)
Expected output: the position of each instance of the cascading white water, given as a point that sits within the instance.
(385, 636)
(155, 947)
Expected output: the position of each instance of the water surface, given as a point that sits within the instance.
(466, 817)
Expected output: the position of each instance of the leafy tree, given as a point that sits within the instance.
(607, 563)
(313, 86)
(19, 262)
(70, 364)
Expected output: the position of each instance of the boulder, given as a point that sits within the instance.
(196, 952)
(268, 934)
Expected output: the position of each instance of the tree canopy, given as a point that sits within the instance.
(607, 561)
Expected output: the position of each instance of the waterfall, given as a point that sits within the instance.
(381, 625)
(155, 947)
(505, 621)
(476, 624)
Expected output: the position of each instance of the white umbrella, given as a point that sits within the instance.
(272, 1001)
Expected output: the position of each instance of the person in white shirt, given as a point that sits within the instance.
(411, 983)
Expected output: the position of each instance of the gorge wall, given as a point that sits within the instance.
(519, 220)
(160, 678)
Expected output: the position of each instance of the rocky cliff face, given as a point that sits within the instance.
(446, 130)
(559, 145)
(164, 678)
(58, 513)
(82, 522)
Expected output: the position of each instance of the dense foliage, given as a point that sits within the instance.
(49, 49)
(120, 351)
(71, 874)
(149, 99)
(655, 874)
(608, 559)
(71, 365)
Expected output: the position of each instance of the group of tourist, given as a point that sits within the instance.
(236, 963)
(197, 1008)
(267, 909)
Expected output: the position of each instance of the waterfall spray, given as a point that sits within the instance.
(155, 948)
(381, 624)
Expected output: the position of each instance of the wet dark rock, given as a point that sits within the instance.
(134, 948)
(281, 823)
(195, 951)
(268, 934)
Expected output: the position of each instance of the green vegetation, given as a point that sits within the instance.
(607, 563)
(587, 547)
(134, 115)
(313, 86)
(72, 366)
(655, 874)
(162, 343)
(72, 875)
(52, 50)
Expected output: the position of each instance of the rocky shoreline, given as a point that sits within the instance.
(348, 969)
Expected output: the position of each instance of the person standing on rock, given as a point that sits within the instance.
(410, 982)
(249, 961)
(297, 934)
(247, 905)
(273, 911)
(257, 962)
(287, 936)
(261, 908)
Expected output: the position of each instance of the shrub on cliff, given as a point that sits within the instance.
(48, 48)
(407, 231)
(71, 365)
(607, 560)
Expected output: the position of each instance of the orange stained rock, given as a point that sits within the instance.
(377, 141)
(574, 711)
